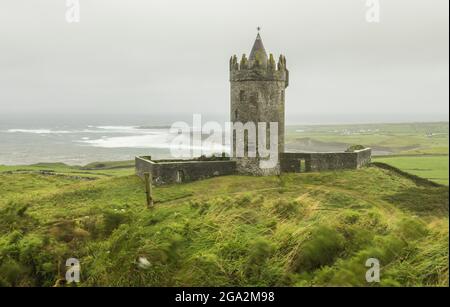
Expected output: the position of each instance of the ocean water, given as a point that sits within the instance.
(78, 140)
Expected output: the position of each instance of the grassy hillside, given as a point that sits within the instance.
(92, 170)
(293, 230)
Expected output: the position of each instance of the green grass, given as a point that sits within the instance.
(92, 170)
(311, 229)
(431, 167)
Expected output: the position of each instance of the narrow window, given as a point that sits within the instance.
(242, 95)
(254, 98)
(245, 143)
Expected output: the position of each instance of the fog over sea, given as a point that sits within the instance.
(81, 139)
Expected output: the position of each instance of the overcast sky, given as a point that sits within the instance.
(144, 56)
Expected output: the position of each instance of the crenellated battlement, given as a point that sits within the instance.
(258, 69)
(258, 64)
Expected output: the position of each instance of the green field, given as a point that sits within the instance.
(407, 138)
(311, 229)
(432, 167)
(417, 148)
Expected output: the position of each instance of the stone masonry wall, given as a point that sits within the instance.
(168, 172)
(257, 95)
(251, 166)
(290, 162)
(259, 101)
(364, 157)
(183, 171)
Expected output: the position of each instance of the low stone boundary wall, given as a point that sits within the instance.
(166, 172)
(291, 162)
(177, 171)
(418, 180)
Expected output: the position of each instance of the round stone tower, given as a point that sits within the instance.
(257, 96)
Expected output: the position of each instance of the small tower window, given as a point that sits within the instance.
(235, 114)
(242, 95)
(254, 98)
(282, 94)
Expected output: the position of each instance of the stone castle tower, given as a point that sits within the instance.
(257, 95)
(257, 99)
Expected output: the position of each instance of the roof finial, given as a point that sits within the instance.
(258, 53)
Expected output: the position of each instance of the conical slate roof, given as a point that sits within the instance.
(258, 52)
